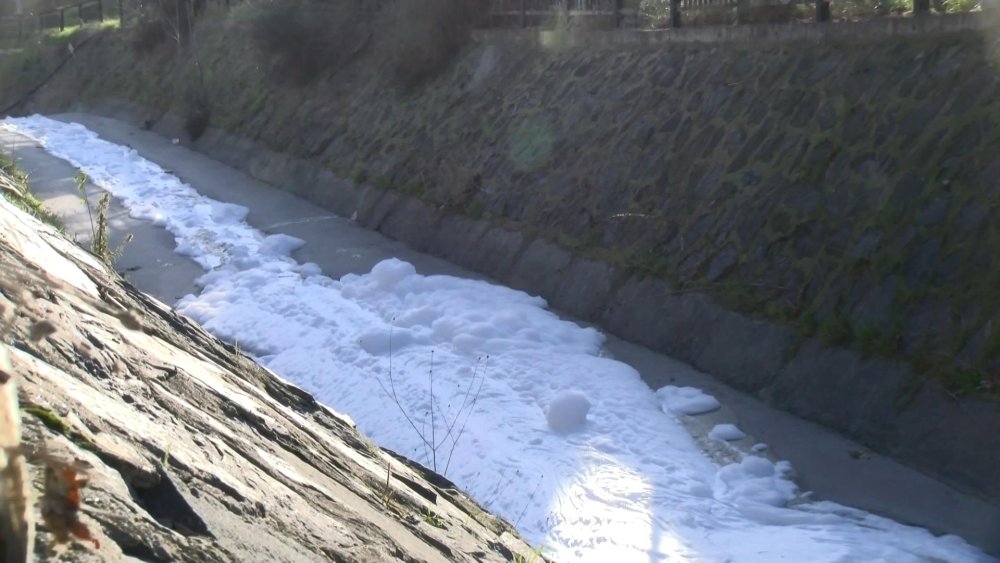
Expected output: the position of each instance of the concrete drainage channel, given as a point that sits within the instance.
(836, 387)
(832, 466)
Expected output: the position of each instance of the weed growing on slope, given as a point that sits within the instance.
(99, 242)
(387, 496)
(433, 519)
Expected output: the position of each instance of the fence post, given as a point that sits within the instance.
(183, 24)
(823, 10)
(618, 12)
(675, 13)
(100, 10)
(62, 19)
(79, 12)
(743, 11)
(524, 13)
(121, 14)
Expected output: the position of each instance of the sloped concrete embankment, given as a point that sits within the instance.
(192, 451)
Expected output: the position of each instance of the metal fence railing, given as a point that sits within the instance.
(525, 13)
(87, 11)
(13, 27)
(675, 13)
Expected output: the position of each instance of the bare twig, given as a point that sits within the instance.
(468, 412)
(453, 424)
(433, 426)
(530, 498)
(391, 391)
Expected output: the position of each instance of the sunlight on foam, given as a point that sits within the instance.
(613, 516)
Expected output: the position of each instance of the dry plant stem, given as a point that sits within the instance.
(530, 498)
(433, 426)
(468, 412)
(454, 425)
(391, 392)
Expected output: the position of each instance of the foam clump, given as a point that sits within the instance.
(726, 433)
(568, 411)
(686, 400)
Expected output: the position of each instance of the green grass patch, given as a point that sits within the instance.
(73, 33)
(38, 54)
(836, 330)
(16, 191)
(49, 418)
(648, 263)
(966, 381)
(54, 422)
(808, 324)
(958, 6)
(871, 341)
(73, 26)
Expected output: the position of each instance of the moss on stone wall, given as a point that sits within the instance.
(849, 189)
